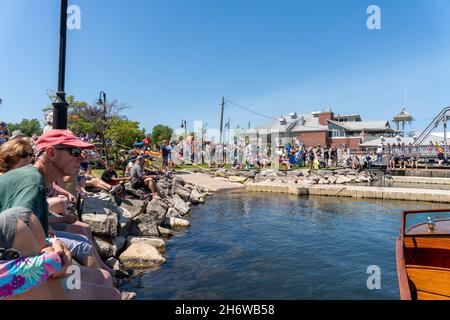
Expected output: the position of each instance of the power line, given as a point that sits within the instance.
(250, 110)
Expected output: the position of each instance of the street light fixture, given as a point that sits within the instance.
(184, 125)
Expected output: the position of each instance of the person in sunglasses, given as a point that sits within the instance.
(59, 155)
(15, 154)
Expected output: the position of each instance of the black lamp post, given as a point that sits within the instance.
(102, 102)
(60, 104)
(184, 125)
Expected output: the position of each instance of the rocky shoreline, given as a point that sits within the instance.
(133, 235)
(297, 177)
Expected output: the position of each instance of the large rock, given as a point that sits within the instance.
(221, 173)
(181, 206)
(237, 179)
(104, 223)
(332, 179)
(158, 243)
(258, 178)
(125, 221)
(266, 172)
(183, 192)
(105, 247)
(141, 255)
(341, 179)
(164, 187)
(134, 206)
(173, 213)
(271, 176)
(97, 203)
(164, 232)
(113, 263)
(118, 244)
(170, 222)
(147, 223)
(248, 174)
(323, 181)
(178, 181)
(195, 196)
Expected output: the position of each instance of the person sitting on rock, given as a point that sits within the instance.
(26, 188)
(140, 181)
(110, 176)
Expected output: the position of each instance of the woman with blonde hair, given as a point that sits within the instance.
(15, 154)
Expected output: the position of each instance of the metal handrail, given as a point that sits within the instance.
(431, 126)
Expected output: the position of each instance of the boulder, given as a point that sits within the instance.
(97, 203)
(266, 172)
(351, 177)
(294, 173)
(221, 173)
(183, 192)
(105, 247)
(314, 177)
(125, 221)
(258, 178)
(181, 206)
(271, 176)
(248, 174)
(102, 224)
(237, 179)
(170, 222)
(173, 213)
(118, 244)
(332, 179)
(341, 179)
(195, 196)
(158, 243)
(113, 263)
(135, 207)
(323, 181)
(178, 181)
(165, 232)
(141, 255)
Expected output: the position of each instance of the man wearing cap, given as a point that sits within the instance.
(59, 155)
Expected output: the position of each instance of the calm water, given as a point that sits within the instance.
(267, 246)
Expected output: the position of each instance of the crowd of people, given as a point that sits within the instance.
(42, 182)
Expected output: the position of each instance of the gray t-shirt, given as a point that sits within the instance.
(136, 174)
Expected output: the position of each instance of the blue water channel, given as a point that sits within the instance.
(274, 246)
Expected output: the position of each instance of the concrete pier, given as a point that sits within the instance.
(408, 194)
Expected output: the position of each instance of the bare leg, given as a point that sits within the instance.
(79, 228)
(94, 261)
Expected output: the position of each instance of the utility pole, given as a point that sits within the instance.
(60, 104)
(221, 130)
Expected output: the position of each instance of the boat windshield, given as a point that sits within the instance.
(418, 223)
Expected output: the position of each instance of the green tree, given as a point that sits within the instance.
(28, 127)
(161, 132)
(124, 132)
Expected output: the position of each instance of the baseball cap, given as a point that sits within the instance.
(60, 137)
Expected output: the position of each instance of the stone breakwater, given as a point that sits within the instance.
(133, 234)
(336, 183)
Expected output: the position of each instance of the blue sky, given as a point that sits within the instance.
(174, 59)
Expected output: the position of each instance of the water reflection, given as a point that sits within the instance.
(275, 246)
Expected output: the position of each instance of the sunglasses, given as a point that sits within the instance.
(9, 254)
(25, 155)
(74, 152)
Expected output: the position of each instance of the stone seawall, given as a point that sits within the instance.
(408, 194)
